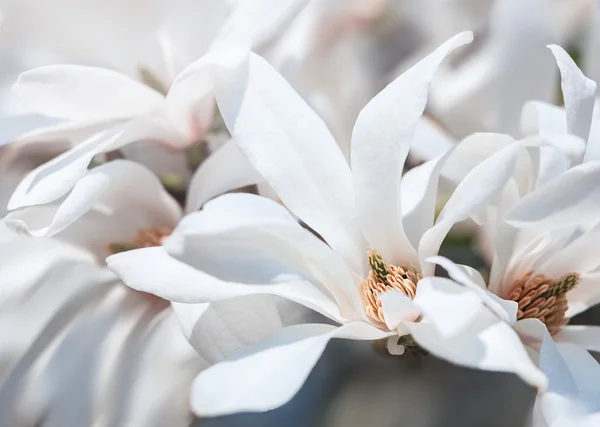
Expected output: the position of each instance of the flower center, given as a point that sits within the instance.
(145, 238)
(544, 298)
(384, 277)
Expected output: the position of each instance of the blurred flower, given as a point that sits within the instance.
(243, 245)
(78, 347)
(544, 261)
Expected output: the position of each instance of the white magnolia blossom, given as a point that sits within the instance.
(116, 206)
(369, 274)
(540, 238)
(78, 347)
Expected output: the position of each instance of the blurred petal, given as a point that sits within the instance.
(273, 371)
(575, 197)
(82, 93)
(479, 187)
(225, 170)
(381, 140)
(108, 186)
(56, 177)
(587, 337)
(579, 94)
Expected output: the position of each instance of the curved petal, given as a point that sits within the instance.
(585, 295)
(152, 270)
(479, 187)
(81, 93)
(225, 170)
(542, 118)
(398, 308)
(505, 310)
(381, 140)
(261, 240)
(108, 205)
(587, 337)
(56, 177)
(218, 329)
(447, 305)
(575, 197)
(273, 371)
(486, 343)
(419, 197)
(579, 94)
(291, 147)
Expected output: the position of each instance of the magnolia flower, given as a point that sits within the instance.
(367, 271)
(541, 243)
(78, 347)
(115, 207)
(105, 111)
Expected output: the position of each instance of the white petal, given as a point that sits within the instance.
(398, 308)
(543, 118)
(252, 239)
(108, 205)
(584, 336)
(225, 170)
(575, 197)
(585, 295)
(447, 305)
(419, 197)
(219, 329)
(579, 94)
(291, 147)
(56, 177)
(270, 374)
(487, 343)
(80, 93)
(259, 21)
(381, 140)
(505, 310)
(152, 270)
(479, 187)
(429, 141)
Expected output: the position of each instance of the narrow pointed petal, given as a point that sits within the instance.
(579, 94)
(273, 371)
(291, 147)
(381, 139)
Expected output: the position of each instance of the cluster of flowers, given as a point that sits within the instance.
(165, 236)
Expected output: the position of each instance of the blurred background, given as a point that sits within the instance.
(337, 54)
